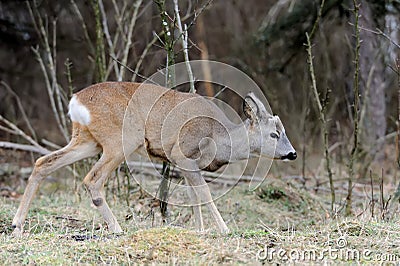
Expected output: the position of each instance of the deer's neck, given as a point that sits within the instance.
(242, 143)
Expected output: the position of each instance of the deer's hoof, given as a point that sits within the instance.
(18, 232)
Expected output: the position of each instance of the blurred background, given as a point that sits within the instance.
(49, 49)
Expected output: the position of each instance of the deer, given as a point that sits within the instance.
(185, 129)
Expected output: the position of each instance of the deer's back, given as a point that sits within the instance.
(164, 117)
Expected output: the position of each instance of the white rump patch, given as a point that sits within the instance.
(78, 112)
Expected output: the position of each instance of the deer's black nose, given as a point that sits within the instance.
(290, 156)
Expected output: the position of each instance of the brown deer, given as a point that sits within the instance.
(190, 131)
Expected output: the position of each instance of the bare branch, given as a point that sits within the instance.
(21, 133)
(111, 45)
(133, 71)
(129, 38)
(379, 32)
(51, 144)
(23, 147)
(21, 108)
(159, 166)
(50, 92)
(82, 21)
(6, 129)
(354, 151)
(184, 37)
(143, 55)
(51, 84)
(321, 110)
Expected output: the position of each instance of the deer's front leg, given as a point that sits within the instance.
(203, 196)
(196, 206)
(199, 188)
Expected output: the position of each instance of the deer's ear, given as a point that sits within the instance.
(250, 107)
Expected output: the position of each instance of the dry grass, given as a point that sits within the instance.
(279, 222)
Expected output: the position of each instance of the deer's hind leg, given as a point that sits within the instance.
(95, 180)
(82, 145)
(115, 147)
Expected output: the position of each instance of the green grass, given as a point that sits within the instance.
(62, 231)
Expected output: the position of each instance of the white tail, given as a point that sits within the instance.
(185, 129)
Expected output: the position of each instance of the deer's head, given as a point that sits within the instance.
(266, 132)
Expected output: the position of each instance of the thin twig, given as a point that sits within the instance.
(380, 33)
(84, 27)
(68, 66)
(120, 14)
(316, 23)
(143, 55)
(56, 86)
(21, 108)
(159, 166)
(20, 132)
(354, 151)
(52, 85)
(111, 46)
(372, 194)
(198, 13)
(100, 50)
(6, 129)
(170, 83)
(129, 38)
(51, 144)
(23, 147)
(133, 71)
(184, 38)
(398, 112)
(49, 91)
(321, 110)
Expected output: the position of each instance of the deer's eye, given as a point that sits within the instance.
(274, 135)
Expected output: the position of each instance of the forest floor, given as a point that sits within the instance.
(282, 221)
